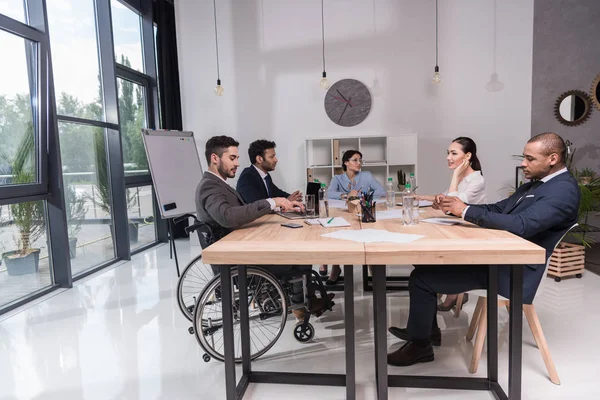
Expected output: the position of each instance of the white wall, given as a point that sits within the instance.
(270, 54)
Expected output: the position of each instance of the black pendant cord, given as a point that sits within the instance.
(323, 35)
(216, 41)
(436, 33)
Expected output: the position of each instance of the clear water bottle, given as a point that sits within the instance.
(408, 205)
(323, 202)
(390, 198)
(413, 184)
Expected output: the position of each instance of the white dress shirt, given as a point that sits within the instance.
(471, 189)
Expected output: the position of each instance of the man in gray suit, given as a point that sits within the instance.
(219, 204)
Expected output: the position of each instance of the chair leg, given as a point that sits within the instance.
(458, 305)
(480, 339)
(475, 318)
(540, 339)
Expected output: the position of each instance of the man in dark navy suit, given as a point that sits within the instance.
(541, 211)
(255, 182)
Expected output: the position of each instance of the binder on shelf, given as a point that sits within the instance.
(336, 152)
(309, 174)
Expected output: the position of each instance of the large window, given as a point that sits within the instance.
(80, 123)
(18, 87)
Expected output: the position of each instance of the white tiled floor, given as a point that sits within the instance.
(120, 335)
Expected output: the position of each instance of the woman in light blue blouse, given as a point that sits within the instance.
(353, 180)
(349, 184)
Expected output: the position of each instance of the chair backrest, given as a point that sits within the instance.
(540, 288)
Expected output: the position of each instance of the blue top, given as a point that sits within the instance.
(341, 184)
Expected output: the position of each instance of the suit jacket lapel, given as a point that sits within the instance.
(212, 176)
(530, 189)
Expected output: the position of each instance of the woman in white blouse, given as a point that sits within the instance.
(467, 184)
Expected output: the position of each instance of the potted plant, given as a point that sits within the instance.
(76, 211)
(586, 176)
(103, 189)
(28, 217)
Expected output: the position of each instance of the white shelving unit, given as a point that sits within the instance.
(384, 156)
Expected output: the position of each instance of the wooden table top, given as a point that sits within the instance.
(265, 241)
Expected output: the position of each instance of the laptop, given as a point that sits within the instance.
(311, 188)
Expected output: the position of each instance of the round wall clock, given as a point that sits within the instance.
(348, 102)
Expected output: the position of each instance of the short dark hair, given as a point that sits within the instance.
(258, 148)
(551, 143)
(218, 145)
(347, 155)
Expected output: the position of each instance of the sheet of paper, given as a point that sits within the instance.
(333, 203)
(312, 221)
(445, 221)
(335, 222)
(373, 236)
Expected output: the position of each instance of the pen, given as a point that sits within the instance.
(330, 220)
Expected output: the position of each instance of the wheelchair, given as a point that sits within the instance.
(268, 308)
(198, 295)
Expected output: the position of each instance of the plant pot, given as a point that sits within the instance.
(133, 232)
(585, 180)
(72, 247)
(22, 265)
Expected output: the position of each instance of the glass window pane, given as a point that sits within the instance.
(140, 211)
(18, 83)
(87, 195)
(132, 117)
(75, 60)
(25, 266)
(127, 35)
(14, 9)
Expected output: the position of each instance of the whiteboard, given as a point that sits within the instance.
(176, 171)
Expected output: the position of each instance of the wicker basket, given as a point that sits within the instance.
(567, 260)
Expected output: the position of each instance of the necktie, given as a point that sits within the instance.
(269, 182)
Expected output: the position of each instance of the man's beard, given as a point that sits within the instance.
(225, 172)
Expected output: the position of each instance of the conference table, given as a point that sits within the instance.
(266, 242)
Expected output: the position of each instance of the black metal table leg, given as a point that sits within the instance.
(350, 332)
(515, 347)
(380, 326)
(228, 345)
(244, 321)
(492, 323)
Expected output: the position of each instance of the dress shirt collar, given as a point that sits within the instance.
(218, 176)
(548, 177)
(262, 174)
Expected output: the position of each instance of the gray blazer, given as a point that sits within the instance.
(217, 202)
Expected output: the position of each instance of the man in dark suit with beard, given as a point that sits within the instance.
(541, 211)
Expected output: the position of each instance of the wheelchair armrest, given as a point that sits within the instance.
(184, 217)
(193, 227)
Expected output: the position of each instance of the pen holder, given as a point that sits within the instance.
(368, 214)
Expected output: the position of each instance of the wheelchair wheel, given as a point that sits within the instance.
(303, 333)
(267, 312)
(191, 283)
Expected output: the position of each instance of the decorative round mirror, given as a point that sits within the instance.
(595, 92)
(572, 108)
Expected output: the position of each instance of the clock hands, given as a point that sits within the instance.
(340, 99)
(347, 104)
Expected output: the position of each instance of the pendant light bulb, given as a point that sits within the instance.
(436, 75)
(219, 89)
(325, 82)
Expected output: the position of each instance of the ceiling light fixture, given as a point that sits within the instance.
(436, 72)
(324, 82)
(218, 89)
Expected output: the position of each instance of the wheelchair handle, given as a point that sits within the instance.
(184, 217)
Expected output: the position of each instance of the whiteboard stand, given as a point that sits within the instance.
(175, 167)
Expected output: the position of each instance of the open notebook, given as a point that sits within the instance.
(324, 222)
